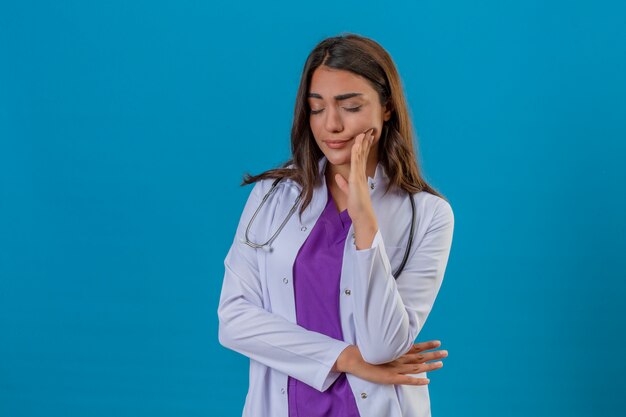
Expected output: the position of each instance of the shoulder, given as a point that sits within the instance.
(258, 189)
(435, 208)
(273, 191)
(262, 186)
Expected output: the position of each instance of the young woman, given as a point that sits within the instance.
(327, 303)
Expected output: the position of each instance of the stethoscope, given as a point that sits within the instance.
(267, 245)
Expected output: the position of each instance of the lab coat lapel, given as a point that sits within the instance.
(288, 243)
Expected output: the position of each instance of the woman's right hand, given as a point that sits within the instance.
(394, 372)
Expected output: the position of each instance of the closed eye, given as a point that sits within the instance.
(350, 109)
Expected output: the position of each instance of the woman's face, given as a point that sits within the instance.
(343, 105)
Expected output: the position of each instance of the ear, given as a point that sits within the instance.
(387, 113)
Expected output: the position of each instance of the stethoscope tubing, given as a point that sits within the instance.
(267, 245)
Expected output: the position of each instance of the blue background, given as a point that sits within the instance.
(126, 127)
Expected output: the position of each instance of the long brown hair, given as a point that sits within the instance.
(364, 57)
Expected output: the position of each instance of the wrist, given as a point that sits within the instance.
(348, 358)
(364, 232)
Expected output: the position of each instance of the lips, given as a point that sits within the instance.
(336, 144)
(337, 141)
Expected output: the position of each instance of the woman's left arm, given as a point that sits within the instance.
(388, 313)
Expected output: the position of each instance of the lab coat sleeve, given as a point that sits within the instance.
(247, 328)
(390, 313)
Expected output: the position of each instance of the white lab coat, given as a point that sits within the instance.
(380, 315)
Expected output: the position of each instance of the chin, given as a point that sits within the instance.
(338, 158)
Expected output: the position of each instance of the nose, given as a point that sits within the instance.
(333, 122)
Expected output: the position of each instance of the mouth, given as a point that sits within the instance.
(339, 142)
(336, 144)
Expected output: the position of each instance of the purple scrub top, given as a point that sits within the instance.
(317, 270)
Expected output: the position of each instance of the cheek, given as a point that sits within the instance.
(315, 127)
(367, 116)
(363, 122)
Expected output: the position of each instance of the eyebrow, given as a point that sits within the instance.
(339, 97)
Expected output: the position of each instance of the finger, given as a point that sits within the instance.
(410, 380)
(422, 367)
(358, 140)
(368, 135)
(420, 347)
(372, 135)
(356, 166)
(422, 357)
(342, 183)
(366, 143)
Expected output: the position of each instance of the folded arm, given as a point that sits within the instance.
(390, 313)
(247, 328)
